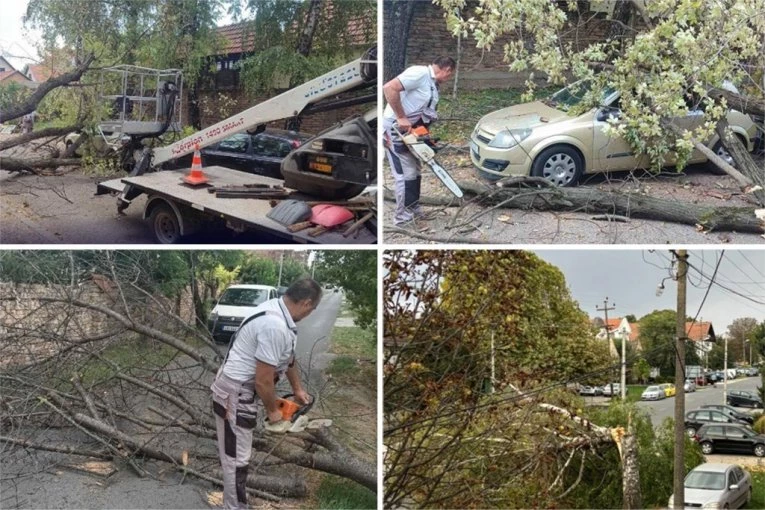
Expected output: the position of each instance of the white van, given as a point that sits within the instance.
(236, 304)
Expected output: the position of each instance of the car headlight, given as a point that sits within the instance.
(712, 504)
(213, 316)
(508, 138)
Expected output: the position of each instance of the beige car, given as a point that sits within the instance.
(541, 139)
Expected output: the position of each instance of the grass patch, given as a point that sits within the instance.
(336, 492)
(354, 341)
(342, 367)
(758, 490)
(462, 114)
(634, 392)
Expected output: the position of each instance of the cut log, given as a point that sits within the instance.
(70, 450)
(30, 165)
(28, 137)
(752, 171)
(630, 205)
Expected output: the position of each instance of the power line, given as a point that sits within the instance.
(748, 298)
(750, 263)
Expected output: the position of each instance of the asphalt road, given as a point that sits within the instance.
(659, 410)
(313, 338)
(64, 210)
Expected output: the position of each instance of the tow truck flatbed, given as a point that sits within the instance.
(193, 206)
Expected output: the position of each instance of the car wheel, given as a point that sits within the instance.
(707, 448)
(560, 164)
(165, 224)
(691, 431)
(759, 450)
(725, 155)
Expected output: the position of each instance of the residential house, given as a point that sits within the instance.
(702, 334)
(9, 74)
(617, 328)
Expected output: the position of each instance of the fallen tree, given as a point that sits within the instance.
(536, 193)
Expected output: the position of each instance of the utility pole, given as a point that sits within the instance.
(281, 264)
(680, 334)
(605, 310)
(725, 373)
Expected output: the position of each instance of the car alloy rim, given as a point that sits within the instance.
(759, 450)
(559, 168)
(706, 448)
(725, 156)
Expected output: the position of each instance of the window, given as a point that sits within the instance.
(735, 433)
(702, 416)
(715, 431)
(237, 143)
(732, 478)
(269, 146)
(719, 417)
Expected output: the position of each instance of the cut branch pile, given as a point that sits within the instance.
(155, 411)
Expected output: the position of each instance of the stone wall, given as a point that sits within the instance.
(32, 328)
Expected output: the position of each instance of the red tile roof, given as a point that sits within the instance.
(237, 38)
(634, 331)
(699, 331)
(42, 72)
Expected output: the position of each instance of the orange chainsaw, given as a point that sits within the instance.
(294, 417)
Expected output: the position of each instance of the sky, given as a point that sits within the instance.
(15, 41)
(17, 44)
(630, 278)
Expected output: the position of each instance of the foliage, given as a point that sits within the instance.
(356, 273)
(275, 63)
(354, 341)
(759, 425)
(740, 331)
(12, 94)
(683, 50)
(259, 271)
(337, 493)
(657, 335)
(444, 310)
(641, 370)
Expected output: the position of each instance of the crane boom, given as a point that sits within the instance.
(287, 104)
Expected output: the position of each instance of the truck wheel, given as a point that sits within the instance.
(165, 224)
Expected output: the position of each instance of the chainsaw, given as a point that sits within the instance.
(294, 417)
(421, 145)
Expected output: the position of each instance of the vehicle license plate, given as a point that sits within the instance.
(230, 328)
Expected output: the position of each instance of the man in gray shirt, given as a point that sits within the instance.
(261, 351)
(412, 98)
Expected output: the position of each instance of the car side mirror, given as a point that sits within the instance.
(733, 487)
(608, 111)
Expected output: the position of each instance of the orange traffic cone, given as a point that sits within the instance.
(196, 175)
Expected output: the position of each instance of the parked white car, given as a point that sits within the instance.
(689, 386)
(653, 393)
(612, 389)
(236, 304)
(717, 486)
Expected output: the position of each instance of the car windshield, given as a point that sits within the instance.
(572, 95)
(243, 297)
(652, 388)
(705, 480)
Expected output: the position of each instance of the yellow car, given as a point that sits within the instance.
(668, 388)
(541, 139)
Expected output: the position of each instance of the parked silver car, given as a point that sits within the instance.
(717, 486)
(689, 386)
(653, 393)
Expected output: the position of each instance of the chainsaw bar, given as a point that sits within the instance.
(425, 154)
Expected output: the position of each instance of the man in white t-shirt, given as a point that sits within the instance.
(412, 98)
(261, 351)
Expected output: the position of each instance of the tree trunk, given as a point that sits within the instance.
(397, 18)
(589, 200)
(40, 92)
(20, 165)
(309, 29)
(630, 473)
(744, 104)
(28, 137)
(746, 164)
